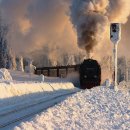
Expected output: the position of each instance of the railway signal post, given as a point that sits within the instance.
(115, 36)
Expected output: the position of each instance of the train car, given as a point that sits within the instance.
(90, 74)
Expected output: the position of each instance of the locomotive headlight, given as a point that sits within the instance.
(95, 76)
(85, 76)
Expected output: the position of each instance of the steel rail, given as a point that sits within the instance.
(46, 104)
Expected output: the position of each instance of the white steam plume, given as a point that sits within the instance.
(43, 27)
(40, 26)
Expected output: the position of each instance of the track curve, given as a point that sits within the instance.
(24, 111)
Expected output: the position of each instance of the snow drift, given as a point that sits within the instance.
(99, 108)
(19, 89)
(5, 75)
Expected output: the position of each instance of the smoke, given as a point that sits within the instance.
(40, 27)
(47, 28)
(92, 18)
(124, 46)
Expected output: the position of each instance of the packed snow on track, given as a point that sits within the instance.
(100, 108)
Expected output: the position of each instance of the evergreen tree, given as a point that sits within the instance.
(5, 55)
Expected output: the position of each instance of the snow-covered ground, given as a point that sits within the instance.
(18, 90)
(11, 94)
(17, 87)
(95, 109)
(98, 109)
(15, 83)
(27, 77)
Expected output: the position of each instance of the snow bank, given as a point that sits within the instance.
(96, 109)
(29, 77)
(74, 78)
(24, 77)
(19, 89)
(124, 84)
(5, 75)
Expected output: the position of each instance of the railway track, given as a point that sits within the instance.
(26, 110)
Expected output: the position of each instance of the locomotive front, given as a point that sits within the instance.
(90, 74)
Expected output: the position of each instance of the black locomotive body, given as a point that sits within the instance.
(90, 74)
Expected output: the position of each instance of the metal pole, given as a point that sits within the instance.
(115, 36)
(115, 66)
(126, 71)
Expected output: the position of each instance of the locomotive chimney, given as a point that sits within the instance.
(90, 55)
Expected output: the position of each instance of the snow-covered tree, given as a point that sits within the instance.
(3, 45)
(122, 68)
(29, 67)
(12, 60)
(19, 63)
(5, 53)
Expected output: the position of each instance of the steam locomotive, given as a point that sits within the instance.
(90, 74)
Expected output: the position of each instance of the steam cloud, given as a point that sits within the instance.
(44, 27)
(92, 18)
(40, 27)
